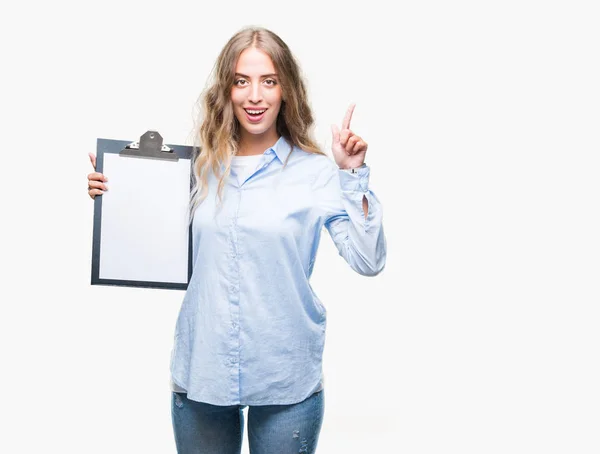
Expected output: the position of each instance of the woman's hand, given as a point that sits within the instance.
(96, 180)
(348, 149)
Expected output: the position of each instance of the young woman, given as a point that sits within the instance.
(251, 331)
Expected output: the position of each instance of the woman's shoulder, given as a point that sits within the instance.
(315, 160)
(315, 167)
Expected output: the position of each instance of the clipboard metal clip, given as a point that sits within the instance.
(150, 146)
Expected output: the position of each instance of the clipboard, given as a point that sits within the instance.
(141, 234)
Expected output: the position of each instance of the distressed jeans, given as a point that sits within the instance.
(202, 428)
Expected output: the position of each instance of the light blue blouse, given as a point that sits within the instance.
(251, 330)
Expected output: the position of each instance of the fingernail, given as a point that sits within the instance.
(105, 179)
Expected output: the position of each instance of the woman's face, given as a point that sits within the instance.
(256, 88)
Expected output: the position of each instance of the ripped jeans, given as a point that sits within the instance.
(202, 428)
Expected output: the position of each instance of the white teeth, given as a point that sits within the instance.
(256, 112)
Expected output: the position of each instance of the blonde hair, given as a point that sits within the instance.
(219, 133)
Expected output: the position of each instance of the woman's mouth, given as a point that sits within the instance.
(255, 115)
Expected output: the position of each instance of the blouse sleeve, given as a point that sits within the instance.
(361, 242)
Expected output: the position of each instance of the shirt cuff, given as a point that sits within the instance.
(357, 180)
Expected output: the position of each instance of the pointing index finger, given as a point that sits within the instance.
(348, 117)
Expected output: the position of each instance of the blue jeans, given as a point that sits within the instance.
(202, 428)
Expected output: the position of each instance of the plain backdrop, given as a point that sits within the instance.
(481, 334)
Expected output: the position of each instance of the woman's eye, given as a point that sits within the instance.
(271, 80)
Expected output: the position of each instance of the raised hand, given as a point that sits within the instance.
(348, 149)
(96, 180)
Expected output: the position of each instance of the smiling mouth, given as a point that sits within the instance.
(255, 117)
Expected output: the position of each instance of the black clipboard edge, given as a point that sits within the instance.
(142, 284)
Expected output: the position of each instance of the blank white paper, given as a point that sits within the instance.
(144, 232)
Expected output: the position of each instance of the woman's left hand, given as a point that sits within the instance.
(349, 150)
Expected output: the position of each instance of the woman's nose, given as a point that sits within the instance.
(255, 93)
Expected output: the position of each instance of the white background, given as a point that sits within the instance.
(480, 336)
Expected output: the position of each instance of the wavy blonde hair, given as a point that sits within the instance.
(216, 141)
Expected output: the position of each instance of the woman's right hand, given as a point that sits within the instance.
(96, 180)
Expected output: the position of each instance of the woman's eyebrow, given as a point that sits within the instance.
(248, 77)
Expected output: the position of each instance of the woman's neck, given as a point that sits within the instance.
(254, 145)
